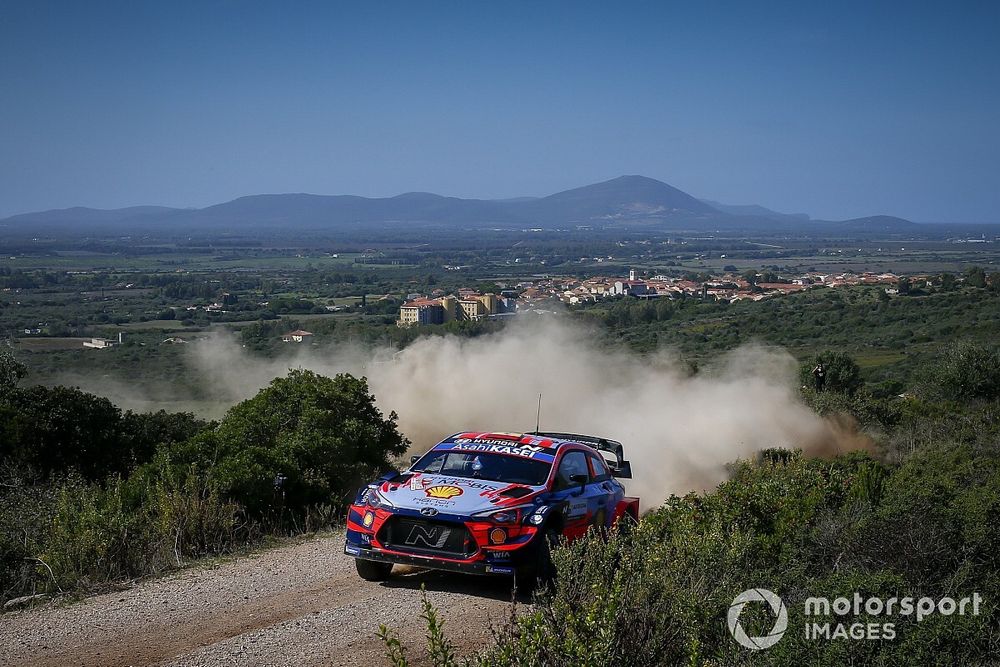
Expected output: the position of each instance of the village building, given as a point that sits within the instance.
(297, 336)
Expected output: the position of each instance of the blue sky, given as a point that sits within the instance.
(836, 109)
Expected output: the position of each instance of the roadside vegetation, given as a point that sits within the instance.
(91, 495)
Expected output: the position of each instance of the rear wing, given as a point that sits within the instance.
(619, 467)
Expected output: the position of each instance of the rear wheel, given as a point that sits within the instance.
(371, 570)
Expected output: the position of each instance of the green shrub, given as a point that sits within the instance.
(324, 435)
(842, 373)
(91, 496)
(966, 371)
(73, 535)
(800, 528)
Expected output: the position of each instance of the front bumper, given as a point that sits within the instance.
(467, 567)
(483, 555)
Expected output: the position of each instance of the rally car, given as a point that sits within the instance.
(490, 503)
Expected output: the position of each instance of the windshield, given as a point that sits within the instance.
(480, 465)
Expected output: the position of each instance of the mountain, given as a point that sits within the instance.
(626, 200)
(754, 211)
(620, 199)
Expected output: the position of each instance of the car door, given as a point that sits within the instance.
(580, 500)
(606, 493)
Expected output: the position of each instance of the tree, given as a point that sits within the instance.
(324, 435)
(975, 276)
(486, 287)
(648, 312)
(63, 428)
(11, 371)
(143, 432)
(842, 373)
(664, 309)
(968, 371)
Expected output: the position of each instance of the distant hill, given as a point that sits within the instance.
(621, 199)
(80, 215)
(878, 223)
(754, 211)
(316, 211)
(626, 200)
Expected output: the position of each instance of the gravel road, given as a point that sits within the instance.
(302, 604)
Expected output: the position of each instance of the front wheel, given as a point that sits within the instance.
(540, 572)
(372, 570)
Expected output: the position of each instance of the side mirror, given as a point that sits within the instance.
(580, 479)
(414, 458)
(623, 471)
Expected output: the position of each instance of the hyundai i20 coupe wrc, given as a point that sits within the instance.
(490, 503)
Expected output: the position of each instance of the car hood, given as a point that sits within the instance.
(455, 495)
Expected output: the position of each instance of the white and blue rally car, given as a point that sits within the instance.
(490, 503)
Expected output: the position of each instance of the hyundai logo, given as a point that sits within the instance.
(429, 511)
(430, 536)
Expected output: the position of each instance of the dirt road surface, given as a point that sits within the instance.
(297, 605)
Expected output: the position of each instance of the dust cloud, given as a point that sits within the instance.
(679, 430)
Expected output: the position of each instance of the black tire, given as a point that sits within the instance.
(539, 573)
(372, 570)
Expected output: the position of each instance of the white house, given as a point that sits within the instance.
(296, 336)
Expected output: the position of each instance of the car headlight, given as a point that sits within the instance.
(537, 517)
(506, 516)
(375, 500)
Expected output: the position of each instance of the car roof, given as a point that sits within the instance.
(543, 440)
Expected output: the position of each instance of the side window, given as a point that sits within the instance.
(601, 472)
(573, 463)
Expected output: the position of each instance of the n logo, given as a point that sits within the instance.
(428, 536)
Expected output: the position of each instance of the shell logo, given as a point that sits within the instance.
(443, 492)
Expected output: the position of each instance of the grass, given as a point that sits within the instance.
(166, 325)
(876, 358)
